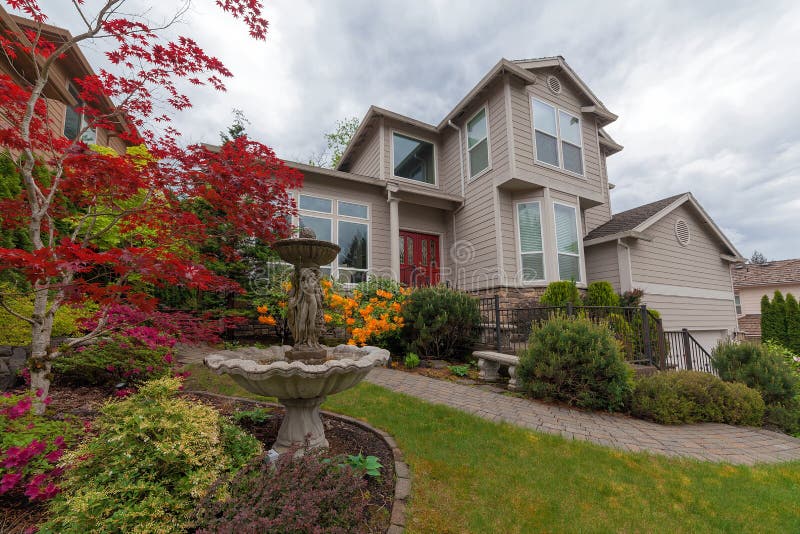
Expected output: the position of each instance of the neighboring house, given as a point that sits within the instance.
(509, 192)
(752, 281)
(62, 96)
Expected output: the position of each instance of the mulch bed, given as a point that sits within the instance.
(17, 514)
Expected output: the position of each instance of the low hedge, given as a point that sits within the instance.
(693, 397)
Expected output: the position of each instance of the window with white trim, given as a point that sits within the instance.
(344, 223)
(567, 244)
(529, 225)
(557, 136)
(478, 143)
(413, 159)
(738, 303)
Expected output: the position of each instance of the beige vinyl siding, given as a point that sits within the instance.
(509, 236)
(591, 184)
(693, 313)
(367, 159)
(664, 261)
(449, 162)
(750, 297)
(594, 217)
(479, 227)
(117, 144)
(602, 263)
(375, 198)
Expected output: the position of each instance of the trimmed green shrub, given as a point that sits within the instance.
(764, 368)
(601, 294)
(573, 360)
(758, 367)
(154, 457)
(561, 293)
(109, 362)
(440, 322)
(692, 397)
(624, 333)
(411, 360)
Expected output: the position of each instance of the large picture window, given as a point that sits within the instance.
(558, 139)
(529, 222)
(344, 223)
(569, 254)
(478, 143)
(413, 159)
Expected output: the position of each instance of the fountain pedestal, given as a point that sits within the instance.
(302, 423)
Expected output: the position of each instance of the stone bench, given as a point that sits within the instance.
(489, 364)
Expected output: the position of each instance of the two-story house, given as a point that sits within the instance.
(508, 192)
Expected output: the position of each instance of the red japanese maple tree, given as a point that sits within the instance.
(104, 225)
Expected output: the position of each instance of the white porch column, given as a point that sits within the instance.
(394, 236)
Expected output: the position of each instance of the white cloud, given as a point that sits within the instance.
(706, 91)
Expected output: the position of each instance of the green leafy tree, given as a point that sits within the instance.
(337, 141)
(773, 319)
(792, 324)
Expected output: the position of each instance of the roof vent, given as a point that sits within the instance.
(682, 232)
(554, 85)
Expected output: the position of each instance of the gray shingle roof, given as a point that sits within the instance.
(772, 272)
(626, 221)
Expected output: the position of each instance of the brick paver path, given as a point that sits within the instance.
(708, 441)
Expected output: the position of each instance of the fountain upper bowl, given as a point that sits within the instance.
(305, 252)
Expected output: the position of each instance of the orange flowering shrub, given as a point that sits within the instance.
(367, 314)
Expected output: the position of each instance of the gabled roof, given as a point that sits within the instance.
(765, 274)
(634, 222)
(519, 68)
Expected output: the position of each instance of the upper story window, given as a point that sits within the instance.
(567, 244)
(529, 226)
(413, 159)
(478, 143)
(557, 135)
(738, 303)
(347, 225)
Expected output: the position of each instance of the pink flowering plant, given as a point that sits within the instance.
(31, 446)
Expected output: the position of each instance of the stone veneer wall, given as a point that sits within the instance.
(512, 297)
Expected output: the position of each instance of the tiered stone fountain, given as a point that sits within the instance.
(303, 375)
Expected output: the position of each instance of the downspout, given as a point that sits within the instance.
(463, 185)
(628, 267)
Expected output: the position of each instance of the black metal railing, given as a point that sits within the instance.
(506, 329)
(684, 352)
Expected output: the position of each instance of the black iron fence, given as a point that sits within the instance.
(684, 352)
(506, 329)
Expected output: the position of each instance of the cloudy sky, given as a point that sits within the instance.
(707, 92)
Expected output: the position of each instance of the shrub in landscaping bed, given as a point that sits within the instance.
(764, 368)
(601, 293)
(573, 360)
(305, 494)
(692, 397)
(154, 457)
(441, 322)
(561, 293)
(109, 362)
(31, 446)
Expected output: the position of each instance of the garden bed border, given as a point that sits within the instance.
(402, 485)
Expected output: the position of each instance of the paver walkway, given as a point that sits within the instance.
(707, 441)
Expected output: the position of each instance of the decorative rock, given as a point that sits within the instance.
(18, 358)
(7, 378)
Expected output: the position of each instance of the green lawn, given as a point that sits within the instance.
(472, 475)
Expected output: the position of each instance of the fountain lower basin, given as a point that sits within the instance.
(299, 386)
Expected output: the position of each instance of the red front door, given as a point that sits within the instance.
(419, 259)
